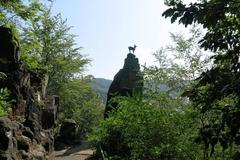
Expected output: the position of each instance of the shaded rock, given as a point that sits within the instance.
(16, 127)
(49, 113)
(38, 153)
(17, 77)
(20, 81)
(33, 123)
(27, 90)
(48, 119)
(126, 82)
(24, 155)
(68, 132)
(58, 145)
(8, 144)
(28, 133)
(47, 141)
(5, 133)
(4, 156)
(23, 143)
(9, 49)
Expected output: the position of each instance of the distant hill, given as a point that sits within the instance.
(101, 86)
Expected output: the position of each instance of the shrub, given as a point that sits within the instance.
(140, 130)
(5, 106)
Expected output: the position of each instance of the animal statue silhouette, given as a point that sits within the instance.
(132, 48)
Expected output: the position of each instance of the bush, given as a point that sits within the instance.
(80, 103)
(5, 106)
(140, 130)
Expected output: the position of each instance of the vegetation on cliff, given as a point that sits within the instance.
(49, 50)
(190, 105)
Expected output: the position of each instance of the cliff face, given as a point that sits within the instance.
(25, 139)
(18, 79)
(126, 82)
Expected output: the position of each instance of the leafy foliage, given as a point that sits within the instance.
(216, 93)
(47, 44)
(139, 130)
(177, 64)
(48, 47)
(17, 12)
(80, 102)
(162, 125)
(5, 106)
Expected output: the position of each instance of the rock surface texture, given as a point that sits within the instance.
(67, 134)
(21, 134)
(19, 142)
(126, 82)
(18, 78)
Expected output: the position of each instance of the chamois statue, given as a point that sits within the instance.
(132, 48)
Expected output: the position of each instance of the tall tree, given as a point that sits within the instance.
(216, 93)
(48, 44)
(180, 62)
(18, 12)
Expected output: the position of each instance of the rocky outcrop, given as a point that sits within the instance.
(18, 79)
(67, 134)
(49, 112)
(126, 82)
(25, 138)
(18, 142)
(8, 144)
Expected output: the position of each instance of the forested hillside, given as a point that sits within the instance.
(101, 86)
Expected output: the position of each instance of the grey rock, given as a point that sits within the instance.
(23, 143)
(24, 155)
(5, 133)
(68, 132)
(28, 133)
(126, 82)
(8, 144)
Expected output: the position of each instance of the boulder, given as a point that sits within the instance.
(49, 113)
(8, 144)
(5, 133)
(68, 132)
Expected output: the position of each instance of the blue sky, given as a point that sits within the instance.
(105, 29)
